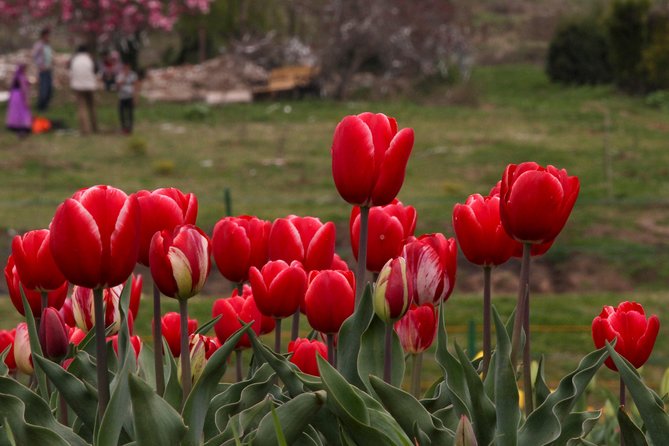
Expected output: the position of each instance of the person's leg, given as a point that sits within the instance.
(82, 113)
(90, 103)
(121, 114)
(41, 91)
(49, 88)
(131, 113)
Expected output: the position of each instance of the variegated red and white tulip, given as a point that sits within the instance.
(431, 265)
(22, 352)
(180, 261)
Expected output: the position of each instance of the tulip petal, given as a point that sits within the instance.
(285, 242)
(124, 244)
(321, 249)
(232, 250)
(393, 168)
(647, 341)
(353, 160)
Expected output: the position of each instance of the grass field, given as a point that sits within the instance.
(274, 158)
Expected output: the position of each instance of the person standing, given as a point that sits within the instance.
(42, 56)
(126, 83)
(83, 82)
(19, 118)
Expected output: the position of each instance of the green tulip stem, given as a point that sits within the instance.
(238, 364)
(520, 305)
(388, 354)
(417, 367)
(486, 319)
(622, 392)
(186, 379)
(295, 329)
(44, 303)
(277, 336)
(331, 348)
(362, 255)
(101, 351)
(527, 358)
(158, 342)
(240, 287)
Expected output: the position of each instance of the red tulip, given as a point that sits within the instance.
(180, 261)
(7, 340)
(95, 237)
(34, 261)
(76, 335)
(201, 348)
(267, 323)
(535, 202)
(232, 309)
(339, 263)
(135, 342)
(56, 298)
(389, 228)
(431, 265)
(67, 314)
(278, 288)
(304, 239)
(304, 354)
(171, 329)
(162, 210)
(329, 300)
(480, 233)
(22, 352)
(634, 332)
(53, 334)
(417, 329)
(392, 293)
(82, 305)
(238, 243)
(369, 158)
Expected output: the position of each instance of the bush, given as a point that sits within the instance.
(578, 54)
(655, 57)
(627, 28)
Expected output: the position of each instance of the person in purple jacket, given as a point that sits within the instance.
(19, 118)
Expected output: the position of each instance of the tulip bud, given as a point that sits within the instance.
(22, 352)
(53, 334)
(391, 291)
(304, 354)
(7, 341)
(135, 342)
(201, 348)
(417, 328)
(180, 261)
(464, 433)
(14, 286)
(634, 332)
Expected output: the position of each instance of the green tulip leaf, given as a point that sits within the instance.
(292, 418)
(350, 339)
(12, 412)
(655, 419)
(284, 369)
(506, 389)
(22, 406)
(544, 425)
(483, 410)
(81, 398)
(454, 375)
(242, 424)
(409, 413)
(372, 354)
(195, 408)
(204, 329)
(35, 346)
(630, 432)
(541, 389)
(156, 422)
(4, 370)
(576, 426)
(173, 394)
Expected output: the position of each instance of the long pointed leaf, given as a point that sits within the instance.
(35, 346)
(350, 338)
(506, 389)
(630, 432)
(371, 357)
(293, 417)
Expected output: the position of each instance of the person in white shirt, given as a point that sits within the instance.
(83, 83)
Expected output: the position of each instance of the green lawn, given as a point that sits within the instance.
(274, 158)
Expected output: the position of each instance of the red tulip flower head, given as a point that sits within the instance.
(431, 265)
(392, 294)
(417, 328)
(329, 300)
(180, 261)
(480, 233)
(389, 228)
(304, 354)
(171, 330)
(76, 335)
(233, 309)
(634, 332)
(535, 202)
(34, 262)
(7, 342)
(278, 288)
(94, 237)
(369, 158)
(83, 308)
(160, 210)
(305, 239)
(201, 348)
(54, 336)
(135, 342)
(22, 353)
(56, 298)
(238, 243)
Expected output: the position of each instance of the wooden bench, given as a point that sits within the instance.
(289, 80)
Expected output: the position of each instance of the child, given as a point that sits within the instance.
(126, 82)
(19, 118)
